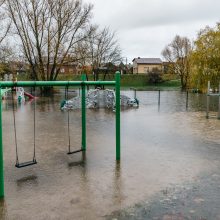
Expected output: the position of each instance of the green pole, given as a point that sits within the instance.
(83, 103)
(54, 83)
(1, 152)
(117, 108)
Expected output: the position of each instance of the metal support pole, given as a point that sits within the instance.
(83, 103)
(1, 152)
(207, 102)
(219, 101)
(118, 109)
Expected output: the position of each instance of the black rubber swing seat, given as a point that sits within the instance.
(26, 164)
(74, 152)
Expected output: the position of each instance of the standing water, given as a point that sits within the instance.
(170, 159)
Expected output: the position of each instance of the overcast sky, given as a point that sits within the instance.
(144, 27)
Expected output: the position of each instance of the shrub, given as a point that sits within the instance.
(154, 78)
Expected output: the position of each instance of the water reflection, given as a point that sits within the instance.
(162, 143)
(81, 163)
(118, 195)
(3, 210)
(31, 179)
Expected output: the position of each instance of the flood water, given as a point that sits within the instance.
(161, 146)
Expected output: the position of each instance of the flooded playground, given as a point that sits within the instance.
(169, 168)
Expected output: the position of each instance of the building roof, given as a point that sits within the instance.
(148, 60)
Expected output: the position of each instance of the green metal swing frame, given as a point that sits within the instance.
(83, 84)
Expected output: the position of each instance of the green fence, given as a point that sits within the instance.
(83, 85)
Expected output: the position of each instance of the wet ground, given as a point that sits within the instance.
(169, 169)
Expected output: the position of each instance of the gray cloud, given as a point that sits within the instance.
(144, 27)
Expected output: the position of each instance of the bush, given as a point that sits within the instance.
(154, 78)
(168, 77)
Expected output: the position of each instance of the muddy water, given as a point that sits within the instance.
(161, 145)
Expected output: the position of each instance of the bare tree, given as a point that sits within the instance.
(48, 31)
(5, 50)
(99, 48)
(82, 49)
(104, 48)
(177, 52)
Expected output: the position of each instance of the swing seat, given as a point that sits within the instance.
(74, 152)
(26, 164)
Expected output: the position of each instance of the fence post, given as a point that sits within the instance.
(219, 101)
(207, 102)
(1, 152)
(159, 97)
(118, 109)
(187, 99)
(83, 105)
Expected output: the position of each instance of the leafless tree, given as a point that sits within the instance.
(104, 48)
(5, 50)
(99, 48)
(48, 31)
(177, 53)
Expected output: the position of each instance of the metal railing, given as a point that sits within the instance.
(83, 84)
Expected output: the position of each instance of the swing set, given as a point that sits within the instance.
(28, 163)
(68, 125)
(66, 84)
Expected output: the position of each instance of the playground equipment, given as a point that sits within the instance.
(98, 98)
(33, 161)
(209, 94)
(26, 94)
(68, 124)
(83, 85)
(4, 91)
(21, 94)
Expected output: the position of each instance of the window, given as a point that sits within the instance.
(146, 70)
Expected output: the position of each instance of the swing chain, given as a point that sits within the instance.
(34, 156)
(28, 163)
(14, 123)
(68, 116)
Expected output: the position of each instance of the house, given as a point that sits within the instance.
(67, 66)
(147, 65)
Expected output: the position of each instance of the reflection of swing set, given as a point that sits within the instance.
(210, 93)
(67, 84)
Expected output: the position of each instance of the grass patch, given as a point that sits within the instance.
(140, 82)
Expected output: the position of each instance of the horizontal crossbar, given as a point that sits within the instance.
(54, 83)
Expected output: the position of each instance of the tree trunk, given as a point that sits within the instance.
(47, 91)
